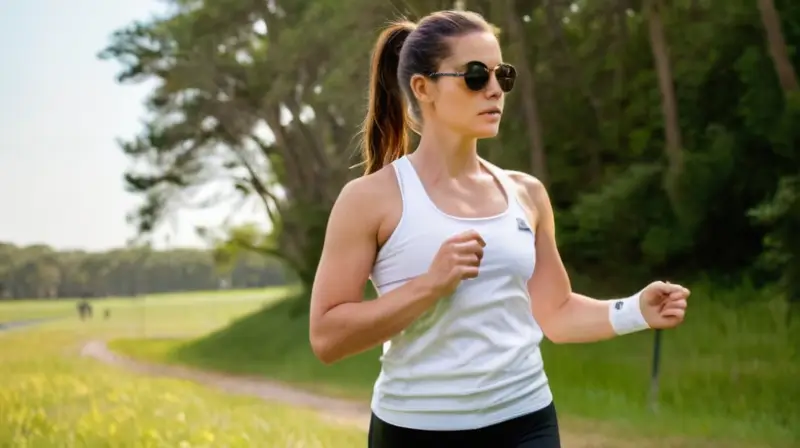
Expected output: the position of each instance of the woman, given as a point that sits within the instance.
(450, 243)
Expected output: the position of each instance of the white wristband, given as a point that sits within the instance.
(626, 315)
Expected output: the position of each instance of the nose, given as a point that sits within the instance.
(493, 90)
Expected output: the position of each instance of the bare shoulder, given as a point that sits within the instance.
(531, 189)
(533, 196)
(368, 199)
(367, 188)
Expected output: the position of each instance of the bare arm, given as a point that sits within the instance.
(565, 317)
(341, 323)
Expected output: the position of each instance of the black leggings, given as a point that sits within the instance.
(535, 430)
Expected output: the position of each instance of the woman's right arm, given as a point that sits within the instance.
(341, 322)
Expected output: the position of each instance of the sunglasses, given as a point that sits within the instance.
(477, 75)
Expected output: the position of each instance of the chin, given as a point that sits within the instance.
(486, 132)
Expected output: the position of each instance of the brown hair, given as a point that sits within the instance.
(404, 49)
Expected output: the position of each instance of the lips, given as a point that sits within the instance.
(491, 111)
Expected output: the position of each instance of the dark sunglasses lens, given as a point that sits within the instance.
(476, 76)
(506, 75)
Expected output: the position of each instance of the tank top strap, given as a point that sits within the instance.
(411, 188)
(508, 185)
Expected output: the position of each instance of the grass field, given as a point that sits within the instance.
(50, 397)
(729, 378)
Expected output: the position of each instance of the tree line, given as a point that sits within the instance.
(39, 271)
(666, 131)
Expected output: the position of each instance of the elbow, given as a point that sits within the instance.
(325, 339)
(554, 320)
(553, 335)
(556, 338)
(319, 340)
(322, 348)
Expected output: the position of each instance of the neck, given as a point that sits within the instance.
(447, 153)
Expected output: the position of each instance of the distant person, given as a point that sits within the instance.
(81, 306)
(462, 253)
(84, 309)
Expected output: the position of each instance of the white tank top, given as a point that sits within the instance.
(473, 359)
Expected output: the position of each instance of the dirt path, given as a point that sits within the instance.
(8, 326)
(332, 409)
(338, 410)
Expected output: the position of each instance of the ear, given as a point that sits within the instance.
(424, 88)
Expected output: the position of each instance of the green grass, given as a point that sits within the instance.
(50, 397)
(729, 377)
(29, 310)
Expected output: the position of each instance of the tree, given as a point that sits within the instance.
(248, 98)
(644, 113)
(674, 143)
(777, 45)
(781, 212)
(527, 87)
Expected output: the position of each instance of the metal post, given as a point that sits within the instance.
(655, 371)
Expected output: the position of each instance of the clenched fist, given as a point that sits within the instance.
(663, 304)
(458, 258)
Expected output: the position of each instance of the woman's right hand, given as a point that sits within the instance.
(458, 258)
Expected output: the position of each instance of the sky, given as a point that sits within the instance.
(62, 112)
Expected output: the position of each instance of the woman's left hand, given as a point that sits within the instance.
(663, 304)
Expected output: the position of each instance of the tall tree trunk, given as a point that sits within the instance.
(556, 25)
(528, 92)
(669, 106)
(777, 46)
(620, 44)
(787, 76)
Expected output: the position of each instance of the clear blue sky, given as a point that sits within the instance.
(61, 113)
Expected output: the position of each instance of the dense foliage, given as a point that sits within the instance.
(666, 130)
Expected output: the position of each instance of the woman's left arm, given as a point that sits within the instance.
(567, 317)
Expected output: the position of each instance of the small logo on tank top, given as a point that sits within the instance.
(618, 306)
(522, 225)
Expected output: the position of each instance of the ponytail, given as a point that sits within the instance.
(384, 133)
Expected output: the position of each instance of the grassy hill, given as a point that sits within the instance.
(726, 374)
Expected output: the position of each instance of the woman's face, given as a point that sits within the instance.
(448, 100)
